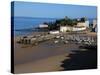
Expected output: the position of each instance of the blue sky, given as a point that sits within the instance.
(46, 10)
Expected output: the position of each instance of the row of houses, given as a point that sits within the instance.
(81, 26)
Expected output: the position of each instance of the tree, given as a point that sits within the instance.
(45, 23)
(64, 22)
(75, 21)
(83, 19)
(66, 18)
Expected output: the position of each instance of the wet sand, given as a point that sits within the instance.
(43, 65)
(44, 57)
(46, 54)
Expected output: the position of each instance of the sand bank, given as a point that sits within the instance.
(43, 65)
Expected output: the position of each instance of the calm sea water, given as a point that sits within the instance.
(26, 25)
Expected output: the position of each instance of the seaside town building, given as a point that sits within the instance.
(94, 28)
(79, 27)
(43, 26)
(54, 32)
(65, 28)
(87, 23)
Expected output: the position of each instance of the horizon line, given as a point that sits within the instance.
(52, 17)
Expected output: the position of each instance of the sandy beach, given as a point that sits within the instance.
(44, 57)
(48, 37)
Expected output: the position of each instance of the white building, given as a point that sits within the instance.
(81, 24)
(87, 23)
(95, 25)
(54, 32)
(79, 27)
(65, 28)
(43, 26)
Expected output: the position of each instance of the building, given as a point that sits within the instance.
(74, 28)
(79, 27)
(81, 24)
(82, 28)
(54, 32)
(65, 28)
(94, 28)
(43, 26)
(87, 23)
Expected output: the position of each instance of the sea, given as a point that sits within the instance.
(27, 25)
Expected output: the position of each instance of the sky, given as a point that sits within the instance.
(46, 10)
